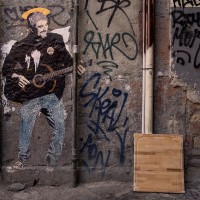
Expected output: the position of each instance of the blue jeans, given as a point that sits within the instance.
(28, 114)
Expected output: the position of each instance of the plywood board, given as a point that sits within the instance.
(158, 163)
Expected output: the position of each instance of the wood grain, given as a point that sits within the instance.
(158, 163)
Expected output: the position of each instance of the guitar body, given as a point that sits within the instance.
(39, 79)
(46, 81)
(37, 87)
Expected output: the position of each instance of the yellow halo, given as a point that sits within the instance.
(41, 10)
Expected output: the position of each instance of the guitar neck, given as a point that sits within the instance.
(67, 70)
(52, 75)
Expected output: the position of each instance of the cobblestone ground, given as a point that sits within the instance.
(96, 191)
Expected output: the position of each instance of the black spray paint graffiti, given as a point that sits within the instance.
(13, 15)
(181, 18)
(108, 67)
(116, 5)
(185, 3)
(180, 60)
(124, 43)
(121, 42)
(186, 35)
(106, 107)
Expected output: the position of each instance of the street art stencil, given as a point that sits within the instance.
(185, 41)
(34, 71)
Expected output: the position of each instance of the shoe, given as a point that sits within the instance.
(50, 166)
(16, 166)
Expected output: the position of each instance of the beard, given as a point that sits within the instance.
(43, 34)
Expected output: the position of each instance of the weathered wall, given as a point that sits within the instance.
(184, 36)
(110, 91)
(176, 92)
(109, 95)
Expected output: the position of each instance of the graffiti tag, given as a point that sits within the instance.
(106, 107)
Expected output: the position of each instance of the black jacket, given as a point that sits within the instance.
(53, 57)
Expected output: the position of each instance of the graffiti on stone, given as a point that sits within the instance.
(105, 106)
(94, 155)
(106, 116)
(185, 3)
(185, 41)
(113, 7)
(104, 45)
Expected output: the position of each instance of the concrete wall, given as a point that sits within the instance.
(110, 92)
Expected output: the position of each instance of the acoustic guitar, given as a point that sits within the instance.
(44, 81)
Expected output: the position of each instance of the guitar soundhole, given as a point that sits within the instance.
(38, 80)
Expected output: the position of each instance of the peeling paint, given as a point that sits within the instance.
(176, 82)
(5, 49)
(107, 81)
(193, 96)
(160, 74)
(127, 87)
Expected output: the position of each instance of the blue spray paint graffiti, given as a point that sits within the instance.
(94, 154)
(106, 107)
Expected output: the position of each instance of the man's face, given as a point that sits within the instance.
(42, 28)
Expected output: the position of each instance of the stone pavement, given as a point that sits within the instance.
(95, 191)
(112, 190)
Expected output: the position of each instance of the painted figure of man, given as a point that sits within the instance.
(40, 52)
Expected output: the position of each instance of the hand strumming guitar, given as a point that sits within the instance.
(22, 80)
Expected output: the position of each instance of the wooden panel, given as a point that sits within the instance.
(158, 163)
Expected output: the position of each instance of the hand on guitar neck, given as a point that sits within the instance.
(80, 70)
